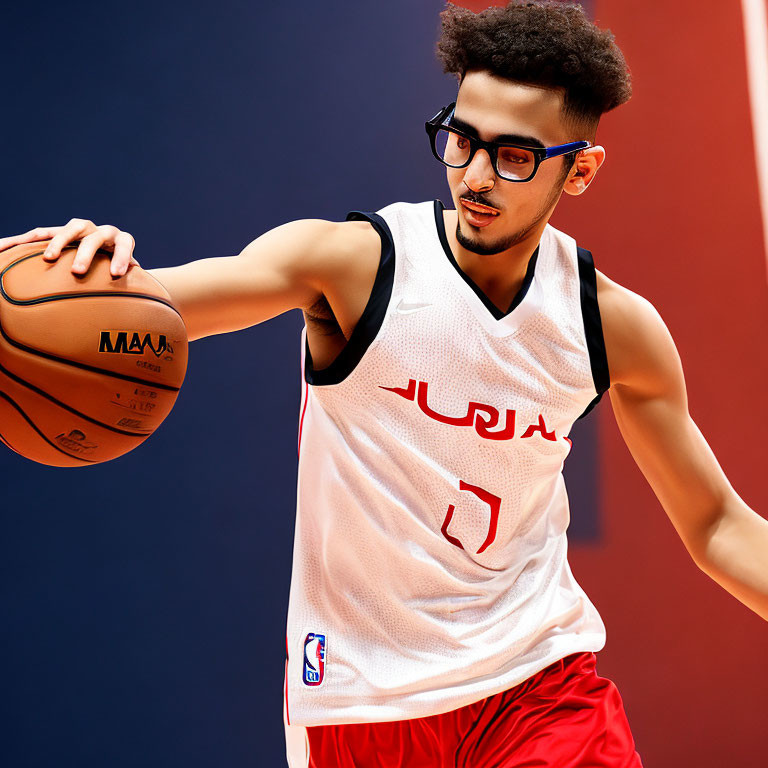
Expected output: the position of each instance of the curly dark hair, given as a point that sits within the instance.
(540, 42)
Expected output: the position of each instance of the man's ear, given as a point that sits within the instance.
(588, 161)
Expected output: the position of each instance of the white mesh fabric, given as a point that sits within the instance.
(416, 625)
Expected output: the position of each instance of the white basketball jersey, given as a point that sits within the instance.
(429, 565)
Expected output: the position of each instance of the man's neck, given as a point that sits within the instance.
(500, 275)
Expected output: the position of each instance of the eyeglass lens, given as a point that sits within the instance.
(513, 163)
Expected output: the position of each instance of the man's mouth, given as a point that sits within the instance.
(479, 207)
(477, 214)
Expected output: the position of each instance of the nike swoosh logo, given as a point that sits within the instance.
(405, 308)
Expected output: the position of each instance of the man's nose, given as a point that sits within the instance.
(479, 175)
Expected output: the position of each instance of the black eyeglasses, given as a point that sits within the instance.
(511, 162)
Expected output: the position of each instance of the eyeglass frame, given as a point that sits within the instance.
(540, 154)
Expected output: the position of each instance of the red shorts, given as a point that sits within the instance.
(564, 716)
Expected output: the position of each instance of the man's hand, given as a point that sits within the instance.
(91, 238)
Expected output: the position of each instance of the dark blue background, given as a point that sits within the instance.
(143, 601)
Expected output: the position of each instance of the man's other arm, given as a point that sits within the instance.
(725, 538)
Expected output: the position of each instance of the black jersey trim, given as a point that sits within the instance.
(373, 315)
(489, 305)
(593, 326)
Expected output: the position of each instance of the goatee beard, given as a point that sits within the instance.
(489, 249)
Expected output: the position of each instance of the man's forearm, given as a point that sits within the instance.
(736, 555)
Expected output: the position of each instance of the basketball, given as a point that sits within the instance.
(90, 365)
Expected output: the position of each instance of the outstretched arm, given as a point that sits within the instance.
(290, 266)
(726, 539)
(285, 268)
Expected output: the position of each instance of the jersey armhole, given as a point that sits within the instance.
(593, 326)
(373, 315)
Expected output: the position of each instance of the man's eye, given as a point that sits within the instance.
(514, 156)
(461, 143)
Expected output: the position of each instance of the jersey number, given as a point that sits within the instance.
(493, 501)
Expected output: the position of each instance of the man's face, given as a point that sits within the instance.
(495, 106)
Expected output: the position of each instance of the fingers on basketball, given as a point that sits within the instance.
(39, 233)
(92, 239)
(73, 230)
(109, 237)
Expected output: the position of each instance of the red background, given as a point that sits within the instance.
(674, 215)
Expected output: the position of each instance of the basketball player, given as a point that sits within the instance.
(447, 351)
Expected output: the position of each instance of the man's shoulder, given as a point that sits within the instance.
(365, 229)
(618, 302)
(634, 332)
(339, 244)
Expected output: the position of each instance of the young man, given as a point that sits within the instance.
(433, 617)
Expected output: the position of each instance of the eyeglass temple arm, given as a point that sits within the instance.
(564, 149)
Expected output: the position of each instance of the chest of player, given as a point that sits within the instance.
(436, 380)
(431, 367)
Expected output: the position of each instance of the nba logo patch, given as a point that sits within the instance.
(314, 659)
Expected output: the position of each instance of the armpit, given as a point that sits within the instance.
(322, 319)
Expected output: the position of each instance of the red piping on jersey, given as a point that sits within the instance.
(305, 390)
(285, 684)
